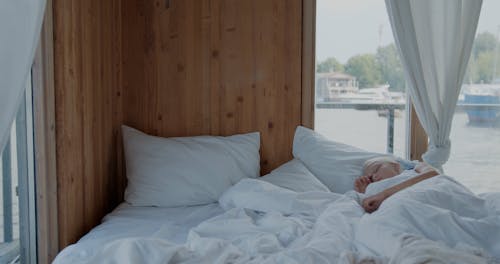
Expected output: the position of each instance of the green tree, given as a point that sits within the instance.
(484, 42)
(484, 67)
(481, 62)
(330, 65)
(365, 69)
(391, 68)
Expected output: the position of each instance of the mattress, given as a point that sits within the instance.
(126, 221)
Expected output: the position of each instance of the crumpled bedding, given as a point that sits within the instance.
(439, 209)
(432, 221)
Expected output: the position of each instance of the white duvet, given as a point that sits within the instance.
(434, 221)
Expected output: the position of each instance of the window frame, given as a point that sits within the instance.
(18, 184)
(308, 62)
(416, 138)
(45, 141)
(26, 177)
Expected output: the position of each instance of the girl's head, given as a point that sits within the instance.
(380, 168)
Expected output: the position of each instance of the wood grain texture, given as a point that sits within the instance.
(419, 140)
(196, 67)
(88, 112)
(215, 67)
(45, 143)
(308, 62)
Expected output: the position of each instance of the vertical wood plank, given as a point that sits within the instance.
(115, 185)
(88, 112)
(45, 142)
(68, 125)
(308, 62)
(418, 138)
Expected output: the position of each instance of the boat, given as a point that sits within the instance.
(341, 87)
(477, 97)
(377, 95)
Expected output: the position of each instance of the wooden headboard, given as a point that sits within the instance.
(189, 67)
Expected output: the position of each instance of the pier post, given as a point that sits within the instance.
(390, 130)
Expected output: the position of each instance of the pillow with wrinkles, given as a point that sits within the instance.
(335, 164)
(186, 171)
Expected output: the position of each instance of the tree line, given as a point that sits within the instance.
(384, 67)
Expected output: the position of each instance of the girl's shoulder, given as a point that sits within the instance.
(422, 167)
(376, 187)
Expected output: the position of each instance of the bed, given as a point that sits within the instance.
(296, 215)
(136, 222)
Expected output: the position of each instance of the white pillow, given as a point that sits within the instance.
(335, 164)
(186, 171)
(294, 176)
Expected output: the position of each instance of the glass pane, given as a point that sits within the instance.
(17, 200)
(475, 133)
(359, 77)
(9, 229)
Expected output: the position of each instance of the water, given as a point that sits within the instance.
(475, 154)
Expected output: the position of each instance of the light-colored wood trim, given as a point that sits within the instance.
(308, 61)
(45, 142)
(418, 137)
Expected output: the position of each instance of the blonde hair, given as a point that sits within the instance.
(380, 160)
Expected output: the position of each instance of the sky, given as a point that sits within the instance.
(348, 27)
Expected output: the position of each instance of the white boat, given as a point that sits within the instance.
(336, 87)
(373, 95)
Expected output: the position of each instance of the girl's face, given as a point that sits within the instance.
(381, 170)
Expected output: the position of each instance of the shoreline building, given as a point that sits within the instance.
(334, 85)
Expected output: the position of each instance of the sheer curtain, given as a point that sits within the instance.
(434, 38)
(20, 23)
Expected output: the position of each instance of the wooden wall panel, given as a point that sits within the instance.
(215, 67)
(308, 62)
(45, 142)
(169, 68)
(88, 112)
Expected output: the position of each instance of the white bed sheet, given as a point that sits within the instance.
(263, 223)
(126, 221)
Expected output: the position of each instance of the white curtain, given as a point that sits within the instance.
(20, 23)
(434, 38)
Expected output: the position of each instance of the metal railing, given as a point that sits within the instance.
(14, 154)
(391, 107)
(9, 247)
(15, 178)
(19, 212)
(7, 193)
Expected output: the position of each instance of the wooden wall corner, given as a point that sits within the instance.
(308, 61)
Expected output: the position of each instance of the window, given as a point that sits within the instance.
(475, 133)
(360, 85)
(356, 61)
(18, 225)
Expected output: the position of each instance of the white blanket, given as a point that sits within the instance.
(439, 209)
(267, 224)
